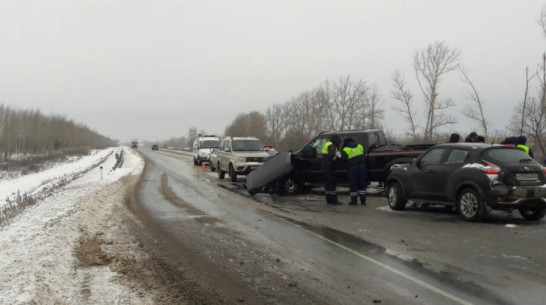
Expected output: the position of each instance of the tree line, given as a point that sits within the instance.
(31, 132)
(345, 104)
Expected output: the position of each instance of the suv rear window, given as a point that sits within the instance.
(247, 145)
(505, 155)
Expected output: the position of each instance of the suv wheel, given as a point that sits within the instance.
(532, 213)
(289, 186)
(395, 198)
(221, 173)
(195, 161)
(212, 168)
(232, 173)
(470, 205)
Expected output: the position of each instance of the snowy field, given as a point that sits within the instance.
(39, 248)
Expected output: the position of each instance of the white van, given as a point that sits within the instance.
(203, 146)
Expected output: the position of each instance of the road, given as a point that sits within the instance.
(296, 250)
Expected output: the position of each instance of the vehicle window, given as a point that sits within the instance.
(505, 155)
(247, 145)
(318, 144)
(457, 156)
(209, 144)
(434, 156)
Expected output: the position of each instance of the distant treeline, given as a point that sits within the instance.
(31, 132)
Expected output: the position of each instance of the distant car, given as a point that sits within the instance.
(472, 177)
(239, 156)
(155, 147)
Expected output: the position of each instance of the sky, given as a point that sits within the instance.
(152, 69)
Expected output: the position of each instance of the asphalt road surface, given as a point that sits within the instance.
(296, 250)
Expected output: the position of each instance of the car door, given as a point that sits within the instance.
(426, 179)
(456, 158)
(309, 161)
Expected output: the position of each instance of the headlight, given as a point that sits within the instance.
(241, 159)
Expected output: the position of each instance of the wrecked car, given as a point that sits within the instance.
(301, 170)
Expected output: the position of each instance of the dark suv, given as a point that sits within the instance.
(474, 178)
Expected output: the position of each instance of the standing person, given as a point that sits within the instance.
(454, 138)
(471, 137)
(330, 155)
(480, 139)
(353, 154)
(521, 142)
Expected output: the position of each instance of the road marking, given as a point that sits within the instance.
(393, 270)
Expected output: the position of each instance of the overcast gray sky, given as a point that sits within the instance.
(153, 69)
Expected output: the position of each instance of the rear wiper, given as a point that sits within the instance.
(525, 160)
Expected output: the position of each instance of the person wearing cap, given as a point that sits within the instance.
(353, 154)
(521, 142)
(454, 138)
(330, 155)
(471, 137)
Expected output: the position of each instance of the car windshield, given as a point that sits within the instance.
(209, 144)
(505, 155)
(247, 145)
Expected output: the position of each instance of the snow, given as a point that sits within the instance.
(34, 183)
(37, 257)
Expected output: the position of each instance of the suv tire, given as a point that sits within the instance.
(232, 173)
(532, 213)
(211, 166)
(471, 205)
(195, 161)
(395, 197)
(221, 173)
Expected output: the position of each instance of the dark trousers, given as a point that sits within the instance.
(330, 182)
(357, 183)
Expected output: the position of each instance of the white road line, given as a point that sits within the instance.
(393, 270)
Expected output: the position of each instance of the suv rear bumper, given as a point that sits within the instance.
(504, 196)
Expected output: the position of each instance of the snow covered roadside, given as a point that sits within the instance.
(59, 250)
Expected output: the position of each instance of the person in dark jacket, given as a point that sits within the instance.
(471, 137)
(353, 154)
(454, 138)
(480, 139)
(330, 155)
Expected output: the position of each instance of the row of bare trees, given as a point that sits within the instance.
(31, 132)
(342, 104)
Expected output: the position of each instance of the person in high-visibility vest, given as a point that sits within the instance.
(521, 142)
(353, 154)
(330, 155)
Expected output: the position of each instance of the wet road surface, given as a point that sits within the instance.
(312, 253)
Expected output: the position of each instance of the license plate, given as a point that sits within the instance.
(527, 177)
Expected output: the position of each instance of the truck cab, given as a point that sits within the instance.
(307, 161)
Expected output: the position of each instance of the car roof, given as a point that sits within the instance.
(481, 146)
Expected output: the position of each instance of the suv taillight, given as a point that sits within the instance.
(491, 169)
(544, 170)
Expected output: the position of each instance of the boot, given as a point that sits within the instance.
(328, 199)
(335, 201)
(354, 200)
(362, 200)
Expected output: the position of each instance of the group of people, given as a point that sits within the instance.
(520, 141)
(351, 153)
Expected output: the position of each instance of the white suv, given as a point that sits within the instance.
(202, 147)
(239, 156)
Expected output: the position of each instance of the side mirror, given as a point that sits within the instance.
(422, 165)
(413, 161)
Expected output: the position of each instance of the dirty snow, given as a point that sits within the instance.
(38, 264)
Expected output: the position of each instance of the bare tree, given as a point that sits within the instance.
(542, 20)
(404, 96)
(475, 111)
(347, 103)
(430, 64)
